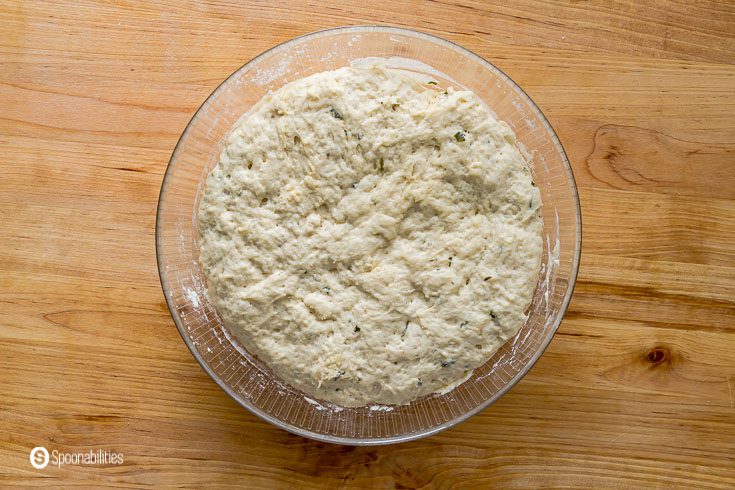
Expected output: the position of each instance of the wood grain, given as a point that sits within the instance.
(638, 387)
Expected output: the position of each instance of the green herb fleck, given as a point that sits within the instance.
(464, 324)
(487, 278)
(447, 362)
(395, 106)
(340, 373)
(534, 184)
(493, 315)
(432, 82)
(357, 329)
(335, 114)
(459, 136)
(382, 164)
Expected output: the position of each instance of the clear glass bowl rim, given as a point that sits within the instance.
(392, 439)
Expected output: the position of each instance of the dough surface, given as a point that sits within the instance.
(370, 238)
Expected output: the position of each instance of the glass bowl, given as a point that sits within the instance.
(248, 380)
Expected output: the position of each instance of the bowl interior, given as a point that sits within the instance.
(245, 378)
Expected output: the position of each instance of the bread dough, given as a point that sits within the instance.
(370, 238)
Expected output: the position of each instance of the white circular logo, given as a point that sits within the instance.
(39, 457)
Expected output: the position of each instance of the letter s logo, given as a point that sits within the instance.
(39, 457)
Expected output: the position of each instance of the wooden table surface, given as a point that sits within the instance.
(636, 389)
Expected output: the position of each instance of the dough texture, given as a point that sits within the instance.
(370, 238)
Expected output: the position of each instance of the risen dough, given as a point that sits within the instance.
(370, 238)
